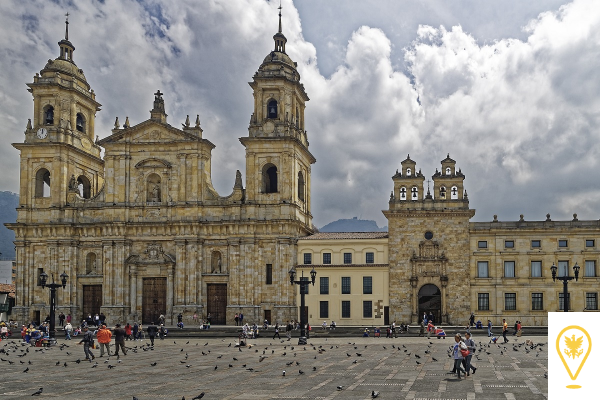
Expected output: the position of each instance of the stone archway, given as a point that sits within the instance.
(430, 300)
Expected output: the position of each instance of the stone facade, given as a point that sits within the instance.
(142, 231)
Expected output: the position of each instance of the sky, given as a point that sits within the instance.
(509, 89)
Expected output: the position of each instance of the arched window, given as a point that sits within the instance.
(415, 193)
(443, 192)
(84, 186)
(90, 264)
(403, 193)
(408, 171)
(49, 115)
(448, 171)
(153, 189)
(215, 263)
(80, 122)
(42, 183)
(300, 186)
(272, 109)
(269, 176)
(454, 193)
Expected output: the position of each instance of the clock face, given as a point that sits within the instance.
(42, 133)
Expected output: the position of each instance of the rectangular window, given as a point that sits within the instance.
(269, 274)
(563, 243)
(590, 268)
(345, 285)
(537, 301)
(347, 258)
(483, 301)
(591, 301)
(510, 301)
(367, 285)
(563, 268)
(509, 269)
(509, 244)
(536, 269)
(561, 301)
(326, 258)
(307, 258)
(324, 284)
(345, 309)
(482, 269)
(323, 309)
(482, 244)
(367, 309)
(536, 244)
(370, 258)
(590, 243)
(304, 278)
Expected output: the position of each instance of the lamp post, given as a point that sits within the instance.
(53, 286)
(565, 279)
(303, 289)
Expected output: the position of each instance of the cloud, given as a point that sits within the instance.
(519, 115)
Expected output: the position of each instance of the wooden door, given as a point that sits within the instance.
(92, 300)
(217, 303)
(154, 299)
(268, 316)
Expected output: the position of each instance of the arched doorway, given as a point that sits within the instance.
(430, 300)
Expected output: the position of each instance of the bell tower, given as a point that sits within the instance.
(278, 162)
(59, 154)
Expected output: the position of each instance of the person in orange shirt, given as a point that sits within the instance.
(430, 328)
(504, 330)
(104, 336)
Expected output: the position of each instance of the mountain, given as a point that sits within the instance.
(353, 225)
(8, 213)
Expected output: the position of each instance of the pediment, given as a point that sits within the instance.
(149, 132)
(153, 163)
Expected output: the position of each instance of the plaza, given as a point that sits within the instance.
(186, 367)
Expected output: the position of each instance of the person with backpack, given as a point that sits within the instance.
(68, 330)
(276, 331)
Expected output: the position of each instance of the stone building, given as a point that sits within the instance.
(142, 232)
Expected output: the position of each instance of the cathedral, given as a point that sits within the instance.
(141, 232)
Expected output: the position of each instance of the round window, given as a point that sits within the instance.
(428, 235)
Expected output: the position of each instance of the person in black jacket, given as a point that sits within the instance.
(152, 330)
(87, 340)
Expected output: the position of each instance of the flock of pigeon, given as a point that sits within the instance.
(247, 357)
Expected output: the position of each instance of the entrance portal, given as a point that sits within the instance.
(217, 302)
(154, 300)
(430, 301)
(92, 300)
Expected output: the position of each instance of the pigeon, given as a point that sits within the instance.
(40, 390)
(374, 394)
(153, 364)
(216, 367)
(201, 395)
(301, 372)
(230, 366)
(95, 365)
(418, 363)
(340, 387)
(110, 366)
(26, 369)
(314, 368)
(188, 366)
(283, 373)
(434, 359)
(418, 356)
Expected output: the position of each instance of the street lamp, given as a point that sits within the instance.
(303, 289)
(565, 280)
(53, 286)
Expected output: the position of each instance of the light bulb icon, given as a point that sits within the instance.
(573, 345)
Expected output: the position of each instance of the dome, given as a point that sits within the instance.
(279, 57)
(64, 67)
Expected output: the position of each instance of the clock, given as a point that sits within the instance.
(42, 133)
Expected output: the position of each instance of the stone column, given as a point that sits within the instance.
(444, 281)
(180, 263)
(133, 291)
(170, 269)
(414, 306)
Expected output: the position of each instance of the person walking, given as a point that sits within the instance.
(489, 326)
(457, 355)
(472, 320)
(135, 330)
(68, 329)
(128, 331)
(515, 327)
(104, 336)
(87, 341)
(236, 319)
(120, 340)
(467, 361)
(61, 319)
(504, 330)
(276, 331)
(152, 331)
(162, 332)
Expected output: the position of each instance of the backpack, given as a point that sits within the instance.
(464, 350)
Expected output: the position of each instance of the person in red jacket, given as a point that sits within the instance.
(104, 336)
